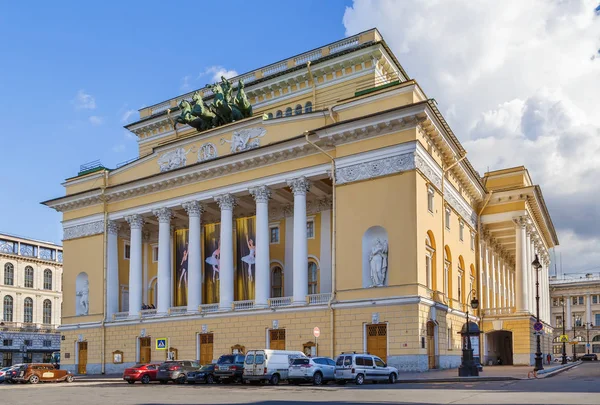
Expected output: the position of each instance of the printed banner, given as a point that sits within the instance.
(181, 266)
(211, 263)
(245, 253)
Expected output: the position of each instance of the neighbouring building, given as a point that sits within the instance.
(31, 299)
(576, 306)
(325, 190)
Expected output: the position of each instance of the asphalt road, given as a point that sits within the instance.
(580, 385)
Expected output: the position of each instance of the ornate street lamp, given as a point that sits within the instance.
(564, 333)
(539, 364)
(468, 367)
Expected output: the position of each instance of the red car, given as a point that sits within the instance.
(142, 372)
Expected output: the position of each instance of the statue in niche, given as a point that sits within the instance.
(84, 301)
(378, 263)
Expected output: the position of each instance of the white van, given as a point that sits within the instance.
(269, 365)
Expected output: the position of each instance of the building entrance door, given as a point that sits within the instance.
(206, 348)
(431, 344)
(377, 340)
(499, 347)
(145, 350)
(277, 339)
(82, 355)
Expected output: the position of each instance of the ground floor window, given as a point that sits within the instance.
(47, 358)
(28, 358)
(6, 359)
(557, 349)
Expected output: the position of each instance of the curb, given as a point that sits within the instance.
(457, 379)
(559, 370)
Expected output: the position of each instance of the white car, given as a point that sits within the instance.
(269, 365)
(318, 370)
(360, 368)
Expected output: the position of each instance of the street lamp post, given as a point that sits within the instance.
(574, 340)
(588, 326)
(564, 344)
(538, 354)
(468, 367)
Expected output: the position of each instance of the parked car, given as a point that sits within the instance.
(176, 371)
(204, 375)
(141, 372)
(2, 372)
(42, 372)
(12, 373)
(360, 368)
(317, 370)
(230, 367)
(269, 365)
(558, 359)
(589, 357)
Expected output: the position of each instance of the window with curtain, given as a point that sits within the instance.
(47, 279)
(8, 308)
(298, 110)
(288, 112)
(28, 277)
(313, 285)
(276, 282)
(308, 107)
(47, 312)
(9, 274)
(28, 310)
(278, 114)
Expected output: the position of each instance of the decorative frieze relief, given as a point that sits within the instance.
(375, 168)
(245, 139)
(83, 230)
(173, 159)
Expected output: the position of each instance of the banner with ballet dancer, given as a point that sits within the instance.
(245, 252)
(211, 265)
(181, 266)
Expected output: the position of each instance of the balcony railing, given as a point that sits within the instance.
(208, 308)
(280, 302)
(345, 44)
(499, 311)
(26, 327)
(177, 310)
(147, 313)
(316, 299)
(242, 305)
(120, 316)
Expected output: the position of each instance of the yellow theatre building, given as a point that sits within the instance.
(325, 190)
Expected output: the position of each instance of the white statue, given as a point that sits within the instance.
(245, 139)
(173, 159)
(84, 301)
(378, 263)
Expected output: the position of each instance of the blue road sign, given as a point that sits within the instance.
(538, 326)
(161, 344)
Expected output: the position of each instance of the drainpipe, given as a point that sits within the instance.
(333, 242)
(104, 269)
(444, 171)
(314, 86)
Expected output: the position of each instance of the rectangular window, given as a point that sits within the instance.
(27, 342)
(6, 359)
(154, 254)
(597, 319)
(428, 269)
(47, 343)
(7, 342)
(27, 357)
(430, 197)
(127, 251)
(578, 320)
(447, 219)
(555, 302)
(581, 300)
(574, 300)
(460, 278)
(446, 270)
(274, 231)
(594, 299)
(461, 231)
(310, 229)
(472, 241)
(559, 321)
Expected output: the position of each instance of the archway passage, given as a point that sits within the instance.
(500, 347)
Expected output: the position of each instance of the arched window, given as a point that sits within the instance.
(596, 338)
(288, 112)
(313, 277)
(9, 274)
(47, 312)
(28, 277)
(429, 260)
(47, 279)
(270, 116)
(447, 272)
(278, 114)
(276, 282)
(308, 107)
(298, 109)
(8, 308)
(28, 310)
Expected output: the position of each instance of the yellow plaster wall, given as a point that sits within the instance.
(375, 143)
(501, 208)
(506, 181)
(376, 106)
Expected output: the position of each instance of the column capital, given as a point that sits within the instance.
(226, 201)
(193, 208)
(521, 221)
(113, 227)
(261, 194)
(135, 221)
(299, 186)
(163, 214)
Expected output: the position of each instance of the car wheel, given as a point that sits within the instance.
(69, 379)
(34, 379)
(318, 378)
(360, 379)
(163, 382)
(181, 379)
(130, 382)
(145, 379)
(392, 378)
(209, 379)
(274, 379)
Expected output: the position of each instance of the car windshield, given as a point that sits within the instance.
(226, 360)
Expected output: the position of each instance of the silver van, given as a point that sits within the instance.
(361, 367)
(269, 365)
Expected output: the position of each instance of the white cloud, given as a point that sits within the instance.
(95, 120)
(84, 101)
(217, 71)
(518, 82)
(126, 115)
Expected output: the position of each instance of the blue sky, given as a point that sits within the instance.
(72, 74)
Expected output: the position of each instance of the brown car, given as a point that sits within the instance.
(41, 372)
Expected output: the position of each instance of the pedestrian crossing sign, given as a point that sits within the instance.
(161, 344)
(564, 339)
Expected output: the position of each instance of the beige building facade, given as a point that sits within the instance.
(344, 202)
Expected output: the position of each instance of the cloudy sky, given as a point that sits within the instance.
(519, 82)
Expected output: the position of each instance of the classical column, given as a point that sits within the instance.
(486, 266)
(194, 272)
(494, 280)
(136, 222)
(588, 308)
(226, 203)
(300, 187)
(164, 216)
(262, 285)
(528, 269)
(521, 265)
(568, 315)
(112, 270)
